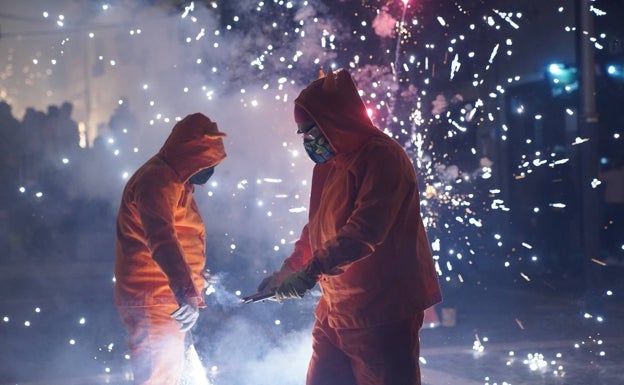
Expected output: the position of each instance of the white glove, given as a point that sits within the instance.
(187, 315)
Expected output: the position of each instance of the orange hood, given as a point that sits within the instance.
(335, 105)
(194, 144)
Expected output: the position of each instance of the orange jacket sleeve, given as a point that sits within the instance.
(301, 254)
(156, 204)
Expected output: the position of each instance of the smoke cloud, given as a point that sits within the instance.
(160, 64)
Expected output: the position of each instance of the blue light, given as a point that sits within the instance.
(563, 79)
(556, 68)
(615, 71)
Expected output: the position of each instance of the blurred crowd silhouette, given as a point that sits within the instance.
(54, 187)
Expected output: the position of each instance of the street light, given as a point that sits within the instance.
(616, 71)
(563, 79)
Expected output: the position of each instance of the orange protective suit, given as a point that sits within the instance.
(160, 248)
(366, 238)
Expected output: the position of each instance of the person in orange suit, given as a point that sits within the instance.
(160, 250)
(364, 243)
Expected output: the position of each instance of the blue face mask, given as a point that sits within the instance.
(202, 176)
(316, 145)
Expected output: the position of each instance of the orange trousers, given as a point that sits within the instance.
(383, 355)
(156, 344)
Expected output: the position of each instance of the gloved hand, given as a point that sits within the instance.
(275, 279)
(294, 286)
(187, 314)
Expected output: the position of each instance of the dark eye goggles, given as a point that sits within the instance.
(308, 130)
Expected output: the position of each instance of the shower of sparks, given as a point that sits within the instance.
(477, 345)
(535, 361)
(460, 197)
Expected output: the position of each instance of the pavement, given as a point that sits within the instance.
(549, 332)
(488, 332)
(559, 348)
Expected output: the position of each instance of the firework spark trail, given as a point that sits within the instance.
(397, 51)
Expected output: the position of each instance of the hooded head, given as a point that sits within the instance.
(195, 144)
(333, 102)
(301, 115)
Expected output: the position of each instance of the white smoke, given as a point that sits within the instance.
(384, 23)
(165, 67)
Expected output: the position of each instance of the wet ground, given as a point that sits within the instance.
(528, 337)
(58, 326)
